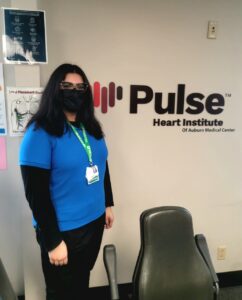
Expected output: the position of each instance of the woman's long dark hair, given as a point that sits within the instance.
(50, 115)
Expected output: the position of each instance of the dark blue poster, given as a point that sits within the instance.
(25, 38)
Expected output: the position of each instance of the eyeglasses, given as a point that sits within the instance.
(64, 85)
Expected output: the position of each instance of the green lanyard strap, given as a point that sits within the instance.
(84, 143)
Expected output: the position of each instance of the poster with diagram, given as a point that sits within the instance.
(24, 38)
(22, 103)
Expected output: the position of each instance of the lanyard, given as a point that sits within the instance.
(84, 143)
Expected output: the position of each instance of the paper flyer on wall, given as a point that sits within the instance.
(22, 104)
(3, 121)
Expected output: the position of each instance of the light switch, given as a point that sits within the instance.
(212, 29)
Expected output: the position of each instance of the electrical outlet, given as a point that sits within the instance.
(221, 253)
(212, 29)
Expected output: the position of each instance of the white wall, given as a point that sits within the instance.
(159, 44)
(10, 218)
(15, 217)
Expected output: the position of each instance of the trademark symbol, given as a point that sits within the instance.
(228, 95)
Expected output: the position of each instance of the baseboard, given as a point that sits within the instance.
(227, 279)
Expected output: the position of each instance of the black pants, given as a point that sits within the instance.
(71, 282)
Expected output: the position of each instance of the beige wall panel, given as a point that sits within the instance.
(160, 44)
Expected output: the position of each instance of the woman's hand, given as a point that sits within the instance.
(59, 255)
(109, 218)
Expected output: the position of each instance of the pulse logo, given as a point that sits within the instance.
(173, 103)
(106, 96)
(176, 103)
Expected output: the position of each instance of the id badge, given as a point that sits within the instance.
(92, 174)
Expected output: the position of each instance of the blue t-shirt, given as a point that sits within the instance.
(76, 203)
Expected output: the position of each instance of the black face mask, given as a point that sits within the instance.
(72, 100)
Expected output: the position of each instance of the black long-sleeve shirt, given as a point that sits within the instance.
(36, 184)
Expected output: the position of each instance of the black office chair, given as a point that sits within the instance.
(172, 263)
(6, 289)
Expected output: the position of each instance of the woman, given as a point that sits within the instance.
(63, 159)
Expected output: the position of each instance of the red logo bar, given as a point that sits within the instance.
(111, 94)
(104, 97)
(104, 103)
(96, 94)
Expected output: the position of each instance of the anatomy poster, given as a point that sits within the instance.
(22, 105)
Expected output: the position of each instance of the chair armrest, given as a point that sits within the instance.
(110, 262)
(6, 289)
(203, 249)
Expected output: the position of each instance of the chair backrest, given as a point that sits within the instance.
(6, 289)
(169, 265)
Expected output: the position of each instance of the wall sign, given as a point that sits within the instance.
(22, 105)
(24, 39)
(191, 112)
